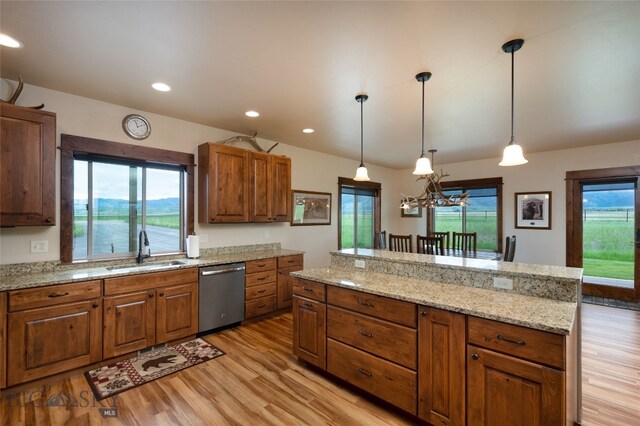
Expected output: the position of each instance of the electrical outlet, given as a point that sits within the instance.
(41, 246)
(204, 238)
(504, 283)
(359, 263)
(266, 234)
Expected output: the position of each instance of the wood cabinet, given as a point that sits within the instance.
(129, 323)
(441, 366)
(236, 185)
(260, 287)
(286, 265)
(176, 312)
(46, 341)
(310, 331)
(27, 166)
(503, 390)
(3, 340)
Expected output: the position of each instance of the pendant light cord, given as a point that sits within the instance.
(361, 134)
(422, 154)
(512, 94)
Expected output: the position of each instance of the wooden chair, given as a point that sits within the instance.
(380, 240)
(401, 243)
(444, 235)
(465, 241)
(430, 245)
(510, 249)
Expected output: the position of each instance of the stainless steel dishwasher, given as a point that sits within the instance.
(221, 296)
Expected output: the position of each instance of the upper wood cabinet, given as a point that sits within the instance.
(236, 185)
(27, 166)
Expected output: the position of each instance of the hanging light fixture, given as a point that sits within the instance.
(423, 165)
(361, 173)
(512, 155)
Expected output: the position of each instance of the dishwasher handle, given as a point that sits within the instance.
(221, 271)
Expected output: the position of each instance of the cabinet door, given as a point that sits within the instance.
(260, 187)
(50, 340)
(310, 331)
(224, 184)
(285, 286)
(3, 339)
(176, 312)
(441, 366)
(503, 390)
(27, 166)
(129, 323)
(281, 189)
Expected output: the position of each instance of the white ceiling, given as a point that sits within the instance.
(300, 64)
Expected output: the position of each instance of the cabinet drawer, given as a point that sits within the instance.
(388, 381)
(289, 261)
(154, 280)
(391, 341)
(404, 313)
(259, 278)
(309, 289)
(260, 291)
(534, 345)
(261, 306)
(53, 295)
(260, 265)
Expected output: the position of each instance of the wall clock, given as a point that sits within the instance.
(136, 126)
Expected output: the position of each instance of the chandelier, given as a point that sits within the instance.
(432, 195)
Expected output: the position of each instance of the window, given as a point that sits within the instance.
(483, 215)
(108, 199)
(359, 213)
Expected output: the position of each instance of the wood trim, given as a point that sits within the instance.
(3, 340)
(471, 183)
(350, 182)
(614, 172)
(70, 145)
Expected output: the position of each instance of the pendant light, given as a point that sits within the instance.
(512, 155)
(423, 165)
(361, 173)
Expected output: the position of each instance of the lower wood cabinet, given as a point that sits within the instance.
(129, 323)
(310, 331)
(46, 341)
(503, 390)
(286, 265)
(441, 366)
(3, 340)
(176, 312)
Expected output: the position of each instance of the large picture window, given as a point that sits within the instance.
(112, 191)
(359, 213)
(483, 215)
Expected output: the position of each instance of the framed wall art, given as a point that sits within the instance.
(310, 208)
(411, 212)
(533, 210)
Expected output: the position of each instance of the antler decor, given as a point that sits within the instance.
(432, 196)
(248, 139)
(12, 100)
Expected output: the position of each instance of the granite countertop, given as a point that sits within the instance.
(522, 269)
(74, 273)
(532, 312)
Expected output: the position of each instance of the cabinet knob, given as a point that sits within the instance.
(423, 313)
(95, 305)
(161, 294)
(48, 220)
(150, 295)
(475, 356)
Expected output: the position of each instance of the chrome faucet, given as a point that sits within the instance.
(141, 257)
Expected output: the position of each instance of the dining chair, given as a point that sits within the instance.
(445, 235)
(430, 245)
(465, 241)
(510, 250)
(381, 240)
(401, 243)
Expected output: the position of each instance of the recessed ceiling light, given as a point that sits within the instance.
(252, 114)
(5, 40)
(308, 130)
(161, 87)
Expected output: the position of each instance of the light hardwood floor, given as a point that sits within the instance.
(259, 382)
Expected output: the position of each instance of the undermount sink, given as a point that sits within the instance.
(146, 267)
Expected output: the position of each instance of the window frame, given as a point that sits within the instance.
(71, 145)
(377, 205)
(473, 184)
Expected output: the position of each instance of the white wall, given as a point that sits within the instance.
(90, 118)
(545, 171)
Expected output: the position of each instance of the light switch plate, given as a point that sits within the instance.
(504, 283)
(41, 246)
(204, 238)
(359, 263)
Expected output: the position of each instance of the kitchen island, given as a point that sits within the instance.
(433, 336)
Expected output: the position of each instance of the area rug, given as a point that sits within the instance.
(124, 375)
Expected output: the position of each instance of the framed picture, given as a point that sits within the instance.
(533, 210)
(310, 208)
(411, 212)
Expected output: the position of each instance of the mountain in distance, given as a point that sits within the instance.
(117, 207)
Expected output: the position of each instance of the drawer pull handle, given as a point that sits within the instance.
(475, 356)
(365, 333)
(364, 372)
(307, 289)
(307, 304)
(515, 342)
(262, 279)
(260, 291)
(365, 303)
(66, 293)
(291, 261)
(262, 265)
(262, 306)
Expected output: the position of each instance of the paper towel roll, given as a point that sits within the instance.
(193, 246)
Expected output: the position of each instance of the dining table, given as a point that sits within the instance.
(473, 254)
